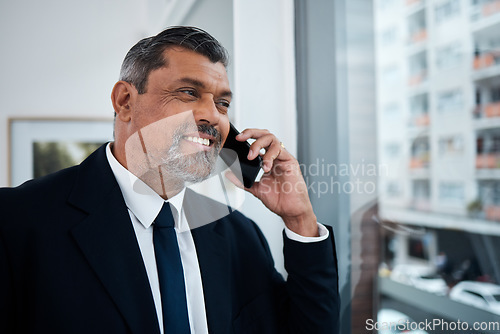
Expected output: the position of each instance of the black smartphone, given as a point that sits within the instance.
(233, 149)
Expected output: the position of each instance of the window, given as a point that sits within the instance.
(450, 101)
(428, 135)
(495, 94)
(417, 27)
(417, 249)
(449, 56)
(421, 189)
(419, 111)
(453, 175)
(489, 192)
(451, 145)
(451, 192)
(488, 142)
(420, 146)
(446, 10)
(418, 69)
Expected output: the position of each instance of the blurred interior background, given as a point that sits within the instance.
(391, 106)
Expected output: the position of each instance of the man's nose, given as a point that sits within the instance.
(206, 111)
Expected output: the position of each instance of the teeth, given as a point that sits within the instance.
(202, 141)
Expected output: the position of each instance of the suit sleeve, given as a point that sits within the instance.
(6, 291)
(308, 302)
(312, 286)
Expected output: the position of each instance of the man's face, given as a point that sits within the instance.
(181, 121)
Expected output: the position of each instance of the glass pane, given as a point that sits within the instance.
(438, 110)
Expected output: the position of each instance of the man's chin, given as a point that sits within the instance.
(197, 177)
(189, 174)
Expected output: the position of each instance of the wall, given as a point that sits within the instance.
(216, 17)
(61, 59)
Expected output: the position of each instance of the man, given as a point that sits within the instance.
(85, 250)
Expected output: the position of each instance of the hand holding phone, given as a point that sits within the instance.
(233, 149)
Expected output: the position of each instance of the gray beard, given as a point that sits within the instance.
(192, 168)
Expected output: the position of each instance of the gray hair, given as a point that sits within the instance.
(147, 54)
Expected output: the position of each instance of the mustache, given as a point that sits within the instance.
(211, 131)
(203, 128)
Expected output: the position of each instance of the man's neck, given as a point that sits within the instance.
(162, 183)
(159, 180)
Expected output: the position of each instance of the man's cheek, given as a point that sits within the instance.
(224, 133)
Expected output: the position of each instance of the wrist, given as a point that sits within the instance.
(305, 225)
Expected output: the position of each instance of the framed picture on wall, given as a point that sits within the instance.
(38, 147)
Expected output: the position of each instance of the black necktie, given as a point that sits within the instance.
(170, 274)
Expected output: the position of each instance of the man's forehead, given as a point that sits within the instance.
(186, 66)
(181, 54)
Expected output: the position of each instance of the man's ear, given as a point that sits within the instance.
(121, 95)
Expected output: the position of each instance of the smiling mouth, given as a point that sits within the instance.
(198, 140)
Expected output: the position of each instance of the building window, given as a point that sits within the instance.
(452, 145)
(419, 110)
(451, 192)
(450, 101)
(420, 153)
(418, 69)
(417, 28)
(417, 249)
(449, 56)
(446, 10)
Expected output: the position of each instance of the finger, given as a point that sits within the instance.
(271, 155)
(264, 142)
(273, 150)
(251, 133)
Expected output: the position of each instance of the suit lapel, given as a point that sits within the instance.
(213, 257)
(107, 239)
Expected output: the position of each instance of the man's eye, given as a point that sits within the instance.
(188, 92)
(223, 103)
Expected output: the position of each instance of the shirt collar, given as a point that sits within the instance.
(143, 201)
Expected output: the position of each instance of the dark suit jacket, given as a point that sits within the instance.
(70, 263)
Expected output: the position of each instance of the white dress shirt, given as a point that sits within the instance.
(143, 205)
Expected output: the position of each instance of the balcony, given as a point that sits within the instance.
(492, 109)
(486, 66)
(488, 161)
(490, 8)
(417, 78)
(486, 60)
(418, 36)
(488, 110)
(414, 6)
(413, 2)
(421, 204)
(492, 212)
(420, 161)
(421, 120)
